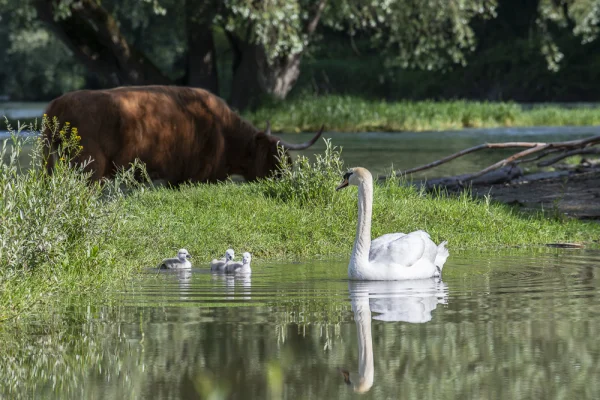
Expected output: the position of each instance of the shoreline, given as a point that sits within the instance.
(349, 114)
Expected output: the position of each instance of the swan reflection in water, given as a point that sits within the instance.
(231, 280)
(407, 301)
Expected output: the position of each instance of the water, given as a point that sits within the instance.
(24, 110)
(380, 151)
(517, 324)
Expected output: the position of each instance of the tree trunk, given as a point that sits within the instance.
(201, 69)
(94, 37)
(254, 76)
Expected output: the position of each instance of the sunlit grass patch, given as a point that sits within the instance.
(354, 114)
(301, 216)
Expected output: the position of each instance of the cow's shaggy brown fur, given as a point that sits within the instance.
(181, 134)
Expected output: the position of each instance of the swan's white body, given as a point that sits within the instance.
(219, 265)
(240, 267)
(408, 301)
(179, 262)
(394, 256)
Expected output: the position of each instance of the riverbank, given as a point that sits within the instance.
(354, 114)
(98, 240)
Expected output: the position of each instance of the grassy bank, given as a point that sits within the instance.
(208, 219)
(62, 237)
(353, 114)
(301, 216)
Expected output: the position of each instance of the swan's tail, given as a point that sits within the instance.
(441, 256)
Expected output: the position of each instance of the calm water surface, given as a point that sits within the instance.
(512, 325)
(380, 151)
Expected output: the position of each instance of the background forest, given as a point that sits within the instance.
(251, 52)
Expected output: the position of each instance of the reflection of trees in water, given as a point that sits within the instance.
(534, 341)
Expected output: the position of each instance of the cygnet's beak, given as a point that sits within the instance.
(342, 185)
(188, 256)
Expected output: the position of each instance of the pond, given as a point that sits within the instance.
(519, 324)
(379, 151)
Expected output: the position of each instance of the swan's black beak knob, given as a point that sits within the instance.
(342, 185)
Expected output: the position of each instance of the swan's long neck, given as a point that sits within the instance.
(362, 243)
(362, 317)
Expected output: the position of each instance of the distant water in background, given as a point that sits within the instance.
(25, 110)
(378, 151)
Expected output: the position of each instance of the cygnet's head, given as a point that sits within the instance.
(355, 176)
(183, 255)
(229, 255)
(246, 257)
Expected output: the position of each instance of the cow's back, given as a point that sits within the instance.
(175, 131)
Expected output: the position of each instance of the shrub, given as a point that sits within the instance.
(52, 223)
(303, 181)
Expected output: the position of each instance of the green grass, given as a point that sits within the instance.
(353, 114)
(284, 219)
(62, 238)
(207, 219)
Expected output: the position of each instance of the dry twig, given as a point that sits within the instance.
(570, 147)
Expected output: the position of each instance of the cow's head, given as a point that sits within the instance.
(265, 160)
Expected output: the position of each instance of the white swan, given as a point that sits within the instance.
(394, 256)
(179, 262)
(240, 268)
(219, 265)
(407, 301)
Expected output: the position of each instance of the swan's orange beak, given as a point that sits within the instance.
(343, 184)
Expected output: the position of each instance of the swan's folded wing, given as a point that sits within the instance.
(167, 263)
(383, 240)
(217, 265)
(232, 266)
(406, 250)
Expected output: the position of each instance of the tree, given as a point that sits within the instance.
(581, 17)
(267, 38)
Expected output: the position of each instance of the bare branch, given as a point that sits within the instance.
(568, 154)
(94, 36)
(506, 161)
(532, 148)
(542, 155)
(314, 22)
(464, 153)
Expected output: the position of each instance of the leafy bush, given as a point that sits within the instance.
(304, 181)
(55, 221)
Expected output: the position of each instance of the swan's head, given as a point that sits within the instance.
(246, 257)
(229, 255)
(359, 384)
(183, 255)
(355, 176)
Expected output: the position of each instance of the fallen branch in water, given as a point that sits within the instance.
(568, 154)
(568, 148)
